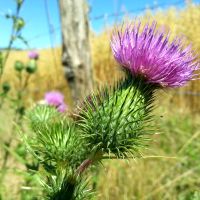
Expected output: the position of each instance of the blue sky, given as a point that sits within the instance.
(102, 13)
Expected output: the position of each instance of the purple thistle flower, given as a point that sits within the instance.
(56, 99)
(33, 55)
(62, 107)
(149, 53)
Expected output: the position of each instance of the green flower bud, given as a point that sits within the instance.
(19, 24)
(31, 67)
(19, 66)
(7, 16)
(6, 87)
(116, 121)
(21, 110)
(19, 2)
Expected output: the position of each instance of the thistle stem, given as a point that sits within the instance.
(11, 41)
(84, 165)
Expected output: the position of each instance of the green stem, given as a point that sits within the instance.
(89, 161)
(84, 165)
(17, 120)
(12, 36)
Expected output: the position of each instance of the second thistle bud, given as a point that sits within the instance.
(19, 66)
(6, 87)
(31, 67)
(33, 55)
(19, 24)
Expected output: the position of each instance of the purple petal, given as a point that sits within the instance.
(149, 53)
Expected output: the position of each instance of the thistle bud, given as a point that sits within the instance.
(21, 110)
(6, 87)
(19, 2)
(33, 55)
(7, 16)
(19, 24)
(19, 66)
(31, 67)
(116, 121)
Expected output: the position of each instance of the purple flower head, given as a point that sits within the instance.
(33, 55)
(54, 98)
(62, 107)
(149, 53)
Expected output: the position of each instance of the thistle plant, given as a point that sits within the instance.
(14, 98)
(16, 101)
(18, 24)
(114, 122)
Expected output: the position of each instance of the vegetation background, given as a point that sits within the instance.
(170, 168)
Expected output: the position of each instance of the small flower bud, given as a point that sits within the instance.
(19, 2)
(21, 110)
(19, 24)
(6, 87)
(19, 66)
(31, 67)
(7, 16)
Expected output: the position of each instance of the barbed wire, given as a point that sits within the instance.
(51, 32)
(187, 93)
(116, 14)
(156, 6)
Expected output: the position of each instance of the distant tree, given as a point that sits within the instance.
(76, 57)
